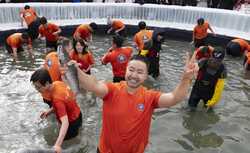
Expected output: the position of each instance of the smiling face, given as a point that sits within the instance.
(79, 47)
(136, 74)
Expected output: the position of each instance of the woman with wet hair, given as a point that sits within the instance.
(82, 56)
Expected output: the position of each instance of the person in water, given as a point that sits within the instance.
(84, 32)
(29, 16)
(237, 47)
(210, 81)
(117, 26)
(118, 57)
(64, 105)
(14, 44)
(142, 36)
(128, 106)
(200, 33)
(82, 56)
(50, 31)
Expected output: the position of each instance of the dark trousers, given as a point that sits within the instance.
(51, 44)
(73, 128)
(200, 93)
(154, 66)
(200, 42)
(33, 30)
(234, 49)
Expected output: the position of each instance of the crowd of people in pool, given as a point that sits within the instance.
(127, 105)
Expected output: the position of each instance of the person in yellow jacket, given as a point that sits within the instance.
(210, 81)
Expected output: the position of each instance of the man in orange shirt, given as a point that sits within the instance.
(200, 33)
(128, 106)
(14, 44)
(142, 36)
(64, 106)
(117, 26)
(29, 15)
(84, 32)
(118, 57)
(50, 31)
(52, 65)
(237, 47)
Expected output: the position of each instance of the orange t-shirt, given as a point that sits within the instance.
(248, 57)
(64, 101)
(126, 119)
(117, 24)
(119, 59)
(15, 40)
(52, 64)
(200, 54)
(84, 31)
(29, 15)
(243, 44)
(85, 60)
(142, 36)
(200, 32)
(48, 32)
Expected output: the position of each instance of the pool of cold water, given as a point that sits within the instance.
(173, 130)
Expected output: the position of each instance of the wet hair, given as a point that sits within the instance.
(200, 21)
(42, 76)
(26, 7)
(25, 35)
(141, 58)
(84, 50)
(43, 20)
(142, 25)
(118, 40)
(148, 44)
(93, 25)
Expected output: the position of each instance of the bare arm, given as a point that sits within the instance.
(90, 83)
(209, 27)
(57, 32)
(14, 54)
(120, 29)
(181, 91)
(63, 130)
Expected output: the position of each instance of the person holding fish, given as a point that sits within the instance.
(82, 55)
(128, 106)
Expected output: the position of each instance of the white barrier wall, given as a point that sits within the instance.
(225, 22)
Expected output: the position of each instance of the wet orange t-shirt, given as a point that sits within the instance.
(64, 101)
(126, 119)
(142, 36)
(29, 15)
(200, 32)
(48, 32)
(85, 60)
(15, 40)
(52, 64)
(117, 24)
(84, 31)
(243, 44)
(119, 59)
